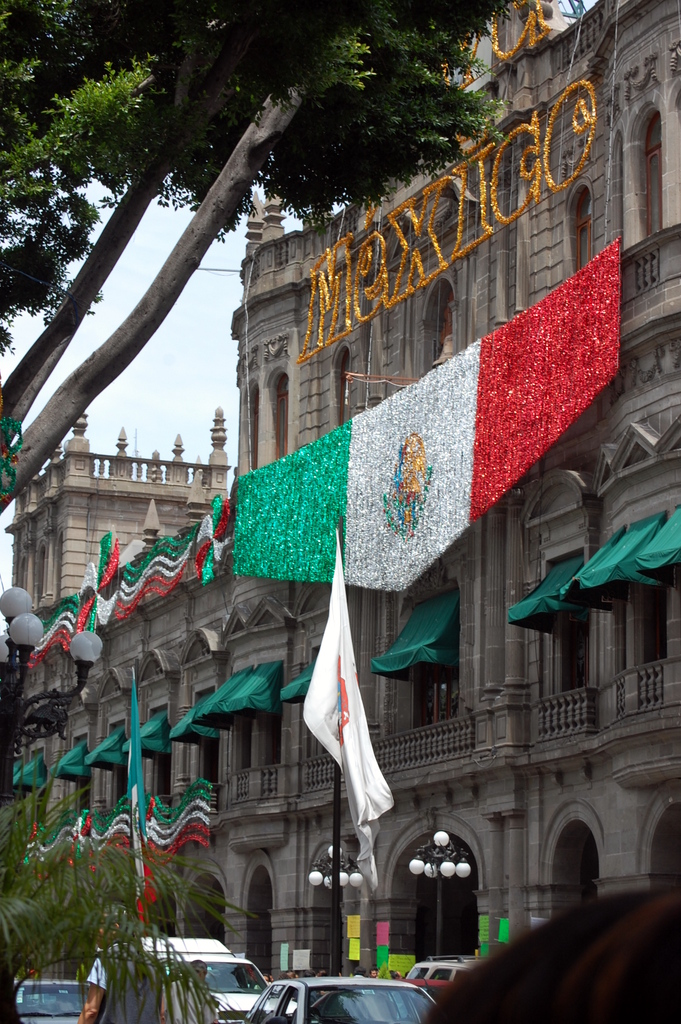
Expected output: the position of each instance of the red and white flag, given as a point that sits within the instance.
(334, 713)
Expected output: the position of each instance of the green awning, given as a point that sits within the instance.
(253, 689)
(72, 765)
(608, 574)
(296, 691)
(33, 773)
(154, 736)
(658, 559)
(187, 731)
(539, 609)
(431, 635)
(109, 754)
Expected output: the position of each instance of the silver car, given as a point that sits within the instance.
(340, 1001)
(55, 1002)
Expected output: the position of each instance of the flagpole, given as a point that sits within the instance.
(336, 923)
(335, 876)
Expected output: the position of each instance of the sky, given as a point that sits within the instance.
(166, 391)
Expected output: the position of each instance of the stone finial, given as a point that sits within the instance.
(178, 449)
(256, 221)
(273, 220)
(152, 526)
(218, 437)
(197, 502)
(79, 442)
(56, 455)
(154, 470)
(122, 442)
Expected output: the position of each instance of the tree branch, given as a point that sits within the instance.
(104, 365)
(30, 375)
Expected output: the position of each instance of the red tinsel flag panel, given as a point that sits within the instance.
(539, 372)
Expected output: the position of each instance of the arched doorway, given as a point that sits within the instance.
(414, 919)
(575, 864)
(259, 927)
(200, 924)
(665, 853)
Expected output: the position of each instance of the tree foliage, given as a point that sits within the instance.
(60, 905)
(153, 99)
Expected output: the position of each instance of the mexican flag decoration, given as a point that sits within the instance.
(410, 476)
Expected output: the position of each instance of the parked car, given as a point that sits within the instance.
(340, 1001)
(235, 981)
(58, 1002)
(436, 973)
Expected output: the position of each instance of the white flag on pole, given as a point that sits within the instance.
(334, 713)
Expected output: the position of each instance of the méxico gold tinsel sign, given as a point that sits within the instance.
(351, 283)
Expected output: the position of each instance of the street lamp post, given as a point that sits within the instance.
(24, 719)
(440, 859)
(346, 873)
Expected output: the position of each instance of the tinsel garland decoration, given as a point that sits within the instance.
(288, 511)
(535, 29)
(58, 629)
(431, 459)
(11, 440)
(94, 607)
(168, 828)
(159, 572)
(210, 540)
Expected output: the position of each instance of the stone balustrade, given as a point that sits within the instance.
(567, 714)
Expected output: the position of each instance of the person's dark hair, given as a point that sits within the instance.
(200, 965)
(610, 961)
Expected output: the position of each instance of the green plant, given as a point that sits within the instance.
(65, 902)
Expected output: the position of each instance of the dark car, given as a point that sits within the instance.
(58, 1002)
(340, 1001)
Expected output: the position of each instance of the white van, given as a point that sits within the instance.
(235, 981)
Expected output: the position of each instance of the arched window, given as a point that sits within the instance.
(439, 327)
(583, 228)
(282, 415)
(255, 423)
(344, 388)
(654, 174)
(58, 565)
(41, 575)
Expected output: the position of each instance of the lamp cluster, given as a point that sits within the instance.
(441, 857)
(322, 871)
(43, 714)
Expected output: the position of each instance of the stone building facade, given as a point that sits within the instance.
(553, 758)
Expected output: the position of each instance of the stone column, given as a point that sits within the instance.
(516, 872)
(496, 875)
(501, 299)
(495, 602)
(674, 621)
(515, 636)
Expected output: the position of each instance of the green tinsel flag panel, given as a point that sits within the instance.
(290, 506)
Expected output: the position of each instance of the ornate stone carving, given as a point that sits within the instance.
(675, 347)
(639, 376)
(276, 346)
(675, 58)
(612, 115)
(617, 386)
(431, 580)
(639, 81)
